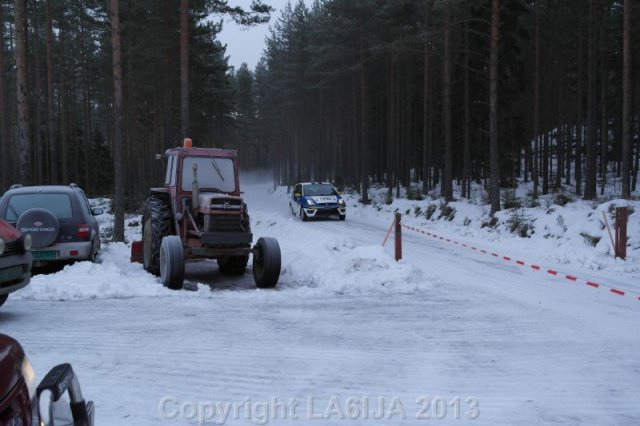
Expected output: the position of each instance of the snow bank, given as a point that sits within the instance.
(573, 233)
(113, 278)
(315, 261)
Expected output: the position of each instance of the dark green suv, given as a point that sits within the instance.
(59, 219)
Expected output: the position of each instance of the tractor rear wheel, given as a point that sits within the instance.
(172, 262)
(266, 262)
(233, 265)
(156, 224)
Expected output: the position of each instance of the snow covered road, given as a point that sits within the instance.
(447, 336)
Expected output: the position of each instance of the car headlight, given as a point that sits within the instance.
(29, 377)
(341, 202)
(310, 202)
(27, 242)
(3, 246)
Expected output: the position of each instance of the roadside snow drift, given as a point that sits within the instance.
(317, 262)
(115, 277)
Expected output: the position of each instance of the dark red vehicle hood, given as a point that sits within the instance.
(8, 232)
(11, 359)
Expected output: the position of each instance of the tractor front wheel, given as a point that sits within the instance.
(172, 262)
(266, 262)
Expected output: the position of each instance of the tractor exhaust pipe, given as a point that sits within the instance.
(195, 190)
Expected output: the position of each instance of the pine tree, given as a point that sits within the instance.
(118, 142)
(22, 86)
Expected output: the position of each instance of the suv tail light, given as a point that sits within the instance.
(84, 231)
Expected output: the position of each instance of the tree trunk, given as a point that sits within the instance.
(545, 163)
(39, 162)
(636, 166)
(426, 124)
(118, 143)
(4, 125)
(536, 98)
(590, 173)
(579, 116)
(184, 66)
(626, 99)
(24, 135)
(447, 184)
(560, 140)
(51, 119)
(364, 119)
(494, 191)
(64, 116)
(604, 125)
(466, 168)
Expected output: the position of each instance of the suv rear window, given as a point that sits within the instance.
(58, 204)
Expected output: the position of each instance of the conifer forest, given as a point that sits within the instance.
(434, 94)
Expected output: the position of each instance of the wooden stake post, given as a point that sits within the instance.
(622, 216)
(398, 237)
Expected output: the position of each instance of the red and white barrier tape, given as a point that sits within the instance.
(522, 263)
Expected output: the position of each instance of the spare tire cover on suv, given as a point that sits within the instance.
(41, 224)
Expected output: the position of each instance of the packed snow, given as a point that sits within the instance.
(350, 336)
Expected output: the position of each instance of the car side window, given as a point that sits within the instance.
(297, 190)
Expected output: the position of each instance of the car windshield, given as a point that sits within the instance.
(213, 173)
(58, 204)
(318, 189)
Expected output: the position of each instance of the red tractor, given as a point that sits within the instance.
(200, 214)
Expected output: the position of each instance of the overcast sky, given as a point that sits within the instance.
(246, 45)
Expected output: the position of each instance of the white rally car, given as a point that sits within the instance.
(317, 199)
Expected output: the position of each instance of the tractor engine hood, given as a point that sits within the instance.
(210, 201)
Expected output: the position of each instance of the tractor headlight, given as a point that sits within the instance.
(310, 202)
(27, 242)
(3, 246)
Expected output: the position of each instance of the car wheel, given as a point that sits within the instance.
(93, 256)
(343, 216)
(3, 299)
(303, 215)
